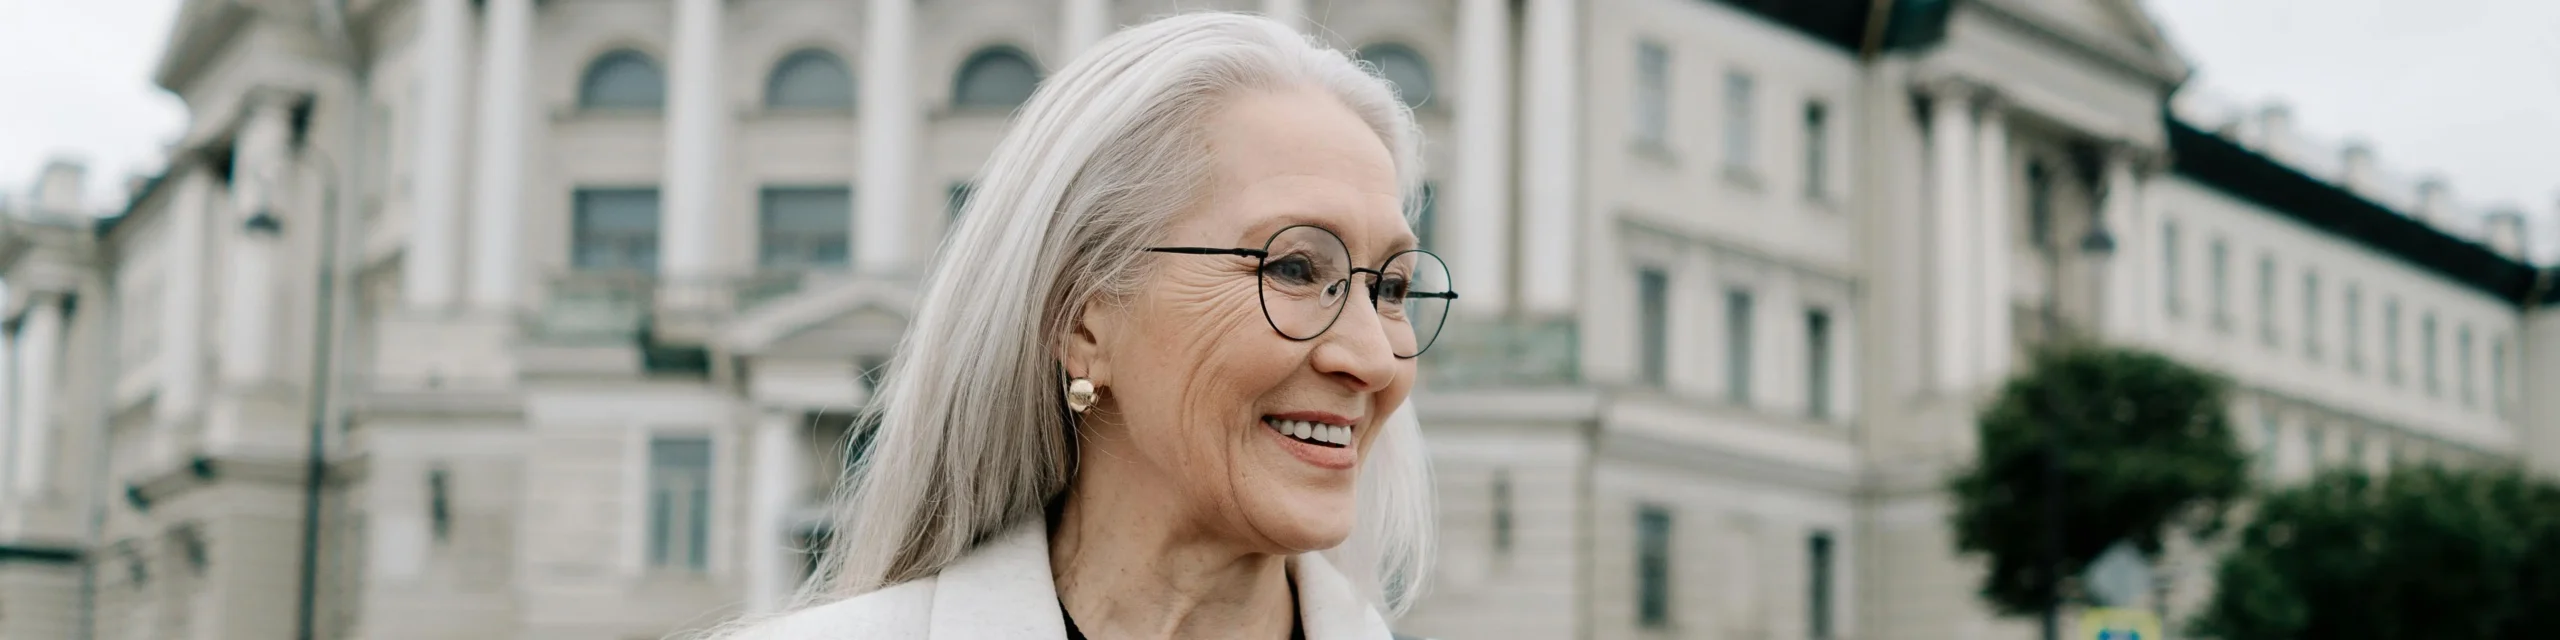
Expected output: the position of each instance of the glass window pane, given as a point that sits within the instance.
(1653, 562)
(805, 226)
(996, 78)
(623, 79)
(1653, 295)
(1817, 150)
(1426, 221)
(1737, 349)
(1817, 333)
(679, 504)
(1653, 93)
(615, 229)
(1737, 120)
(809, 79)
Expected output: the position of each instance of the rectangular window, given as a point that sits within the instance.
(2391, 370)
(2498, 375)
(614, 230)
(2354, 333)
(679, 502)
(2267, 299)
(2172, 288)
(2315, 445)
(1653, 567)
(1653, 313)
(1817, 604)
(2270, 433)
(1737, 121)
(1502, 512)
(2311, 314)
(1817, 151)
(2430, 366)
(1653, 94)
(1737, 346)
(2218, 262)
(1817, 357)
(2463, 361)
(956, 200)
(804, 227)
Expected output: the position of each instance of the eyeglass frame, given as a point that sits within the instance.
(1262, 257)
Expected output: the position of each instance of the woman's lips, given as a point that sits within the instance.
(1326, 446)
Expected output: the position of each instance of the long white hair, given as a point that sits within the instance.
(972, 432)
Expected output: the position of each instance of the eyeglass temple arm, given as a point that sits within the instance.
(1211, 251)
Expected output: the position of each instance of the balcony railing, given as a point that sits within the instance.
(1504, 352)
(622, 306)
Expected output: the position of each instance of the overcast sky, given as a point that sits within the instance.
(2469, 89)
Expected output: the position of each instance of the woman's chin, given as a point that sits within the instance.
(1304, 520)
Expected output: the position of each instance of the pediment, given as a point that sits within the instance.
(858, 316)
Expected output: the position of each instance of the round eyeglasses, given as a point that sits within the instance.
(1306, 274)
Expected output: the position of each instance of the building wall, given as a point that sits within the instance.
(41, 599)
(2288, 367)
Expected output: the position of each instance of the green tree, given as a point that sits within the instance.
(2145, 448)
(2424, 553)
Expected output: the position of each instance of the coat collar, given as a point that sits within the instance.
(1003, 589)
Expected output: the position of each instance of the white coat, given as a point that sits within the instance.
(1003, 590)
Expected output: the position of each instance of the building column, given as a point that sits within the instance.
(182, 289)
(690, 212)
(1951, 242)
(1996, 251)
(248, 303)
(774, 490)
(890, 118)
(1481, 204)
(428, 268)
(2119, 311)
(39, 345)
(1549, 147)
(498, 189)
(1087, 22)
(1288, 12)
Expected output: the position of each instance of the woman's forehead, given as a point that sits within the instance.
(1302, 158)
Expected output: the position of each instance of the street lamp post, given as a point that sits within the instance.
(2098, 247)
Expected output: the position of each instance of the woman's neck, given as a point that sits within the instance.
(1129, 568)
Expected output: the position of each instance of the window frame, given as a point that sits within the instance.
(1740, 307)
(777, 95)
(1739, 149)
(979, 61)
(590, 97)
(1655, 565)
(579, 228)
(765, 228)
(702, 534)
(1653, 91)
(1818, 371)
(1653, 326)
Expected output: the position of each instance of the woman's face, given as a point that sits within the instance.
(1199, 386)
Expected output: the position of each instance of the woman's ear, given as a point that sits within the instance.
(1083, 350)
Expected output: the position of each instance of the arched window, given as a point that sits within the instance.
(622, 79)
(995, 77)
(1405, 68)
(809, 79)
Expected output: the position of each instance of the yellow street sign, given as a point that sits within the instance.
(2119, 624)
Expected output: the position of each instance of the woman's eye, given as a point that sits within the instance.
(1292, 269)
(1392, 290)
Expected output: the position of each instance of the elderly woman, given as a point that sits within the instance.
(1152, 387)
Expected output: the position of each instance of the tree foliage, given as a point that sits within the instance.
(2146, 447)
(2424, 553)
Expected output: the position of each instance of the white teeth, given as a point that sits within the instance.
(1304, 430)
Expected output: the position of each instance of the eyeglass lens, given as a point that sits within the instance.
(1307, 274)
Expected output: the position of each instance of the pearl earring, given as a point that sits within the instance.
(1080, 395)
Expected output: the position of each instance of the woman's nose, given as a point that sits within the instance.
(1357, 350)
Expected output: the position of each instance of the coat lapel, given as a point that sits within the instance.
(1000, 590)
(1003, 590)
(1328, 606)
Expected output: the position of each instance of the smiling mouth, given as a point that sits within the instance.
(1315, 433)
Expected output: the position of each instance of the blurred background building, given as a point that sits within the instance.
(576, 297)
